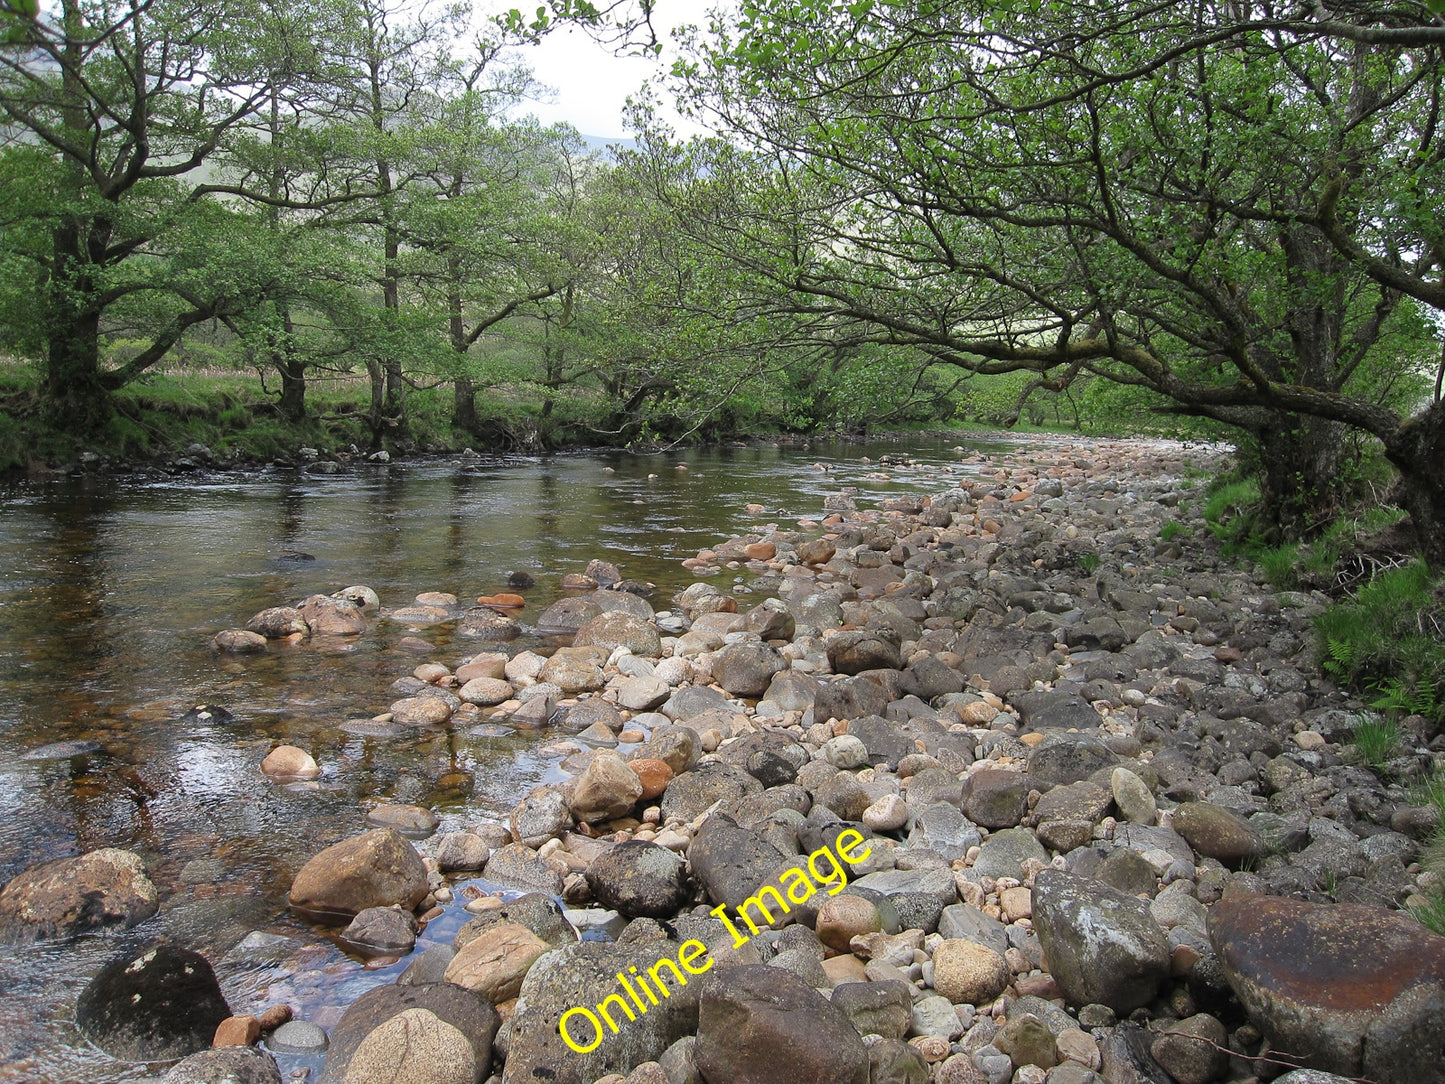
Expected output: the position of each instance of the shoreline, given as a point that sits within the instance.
(1028, 702)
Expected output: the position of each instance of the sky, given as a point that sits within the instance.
(592, 84)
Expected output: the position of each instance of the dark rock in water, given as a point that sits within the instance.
(295, 555)
(462, 1009)
(62, 750)
(209, 715)
(749, 1016)
(521, 579)
(103, 890)
(565, 616)
(379, 931)
(160, 1004)
(638, 878)
(632, 587)
(1354, 990)
(226, 1065)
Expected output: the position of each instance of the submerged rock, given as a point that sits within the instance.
(155, 1005)
(101, 891)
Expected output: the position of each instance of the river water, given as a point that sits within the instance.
(109, 595)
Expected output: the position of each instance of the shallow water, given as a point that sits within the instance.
(110, 593)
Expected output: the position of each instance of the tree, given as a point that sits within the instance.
(1133, 191)
(111, 110)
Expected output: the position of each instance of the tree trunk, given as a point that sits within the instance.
(77, 400)
(1417, 448)
(1300, 460)
(464, 412)
(292, 370)
(293, 388)
(376, 415)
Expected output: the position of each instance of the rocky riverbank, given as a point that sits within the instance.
(1112, 824)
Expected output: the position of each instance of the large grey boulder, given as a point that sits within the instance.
(1103, 947)
(581, 976)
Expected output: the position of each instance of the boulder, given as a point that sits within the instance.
(375, 869)
(639, 879)
(228, 1065)
(461, 851)
(542, 815)
(100, 891)
(618, 628)
(1354, 990)
(731, 862)
(1069, 757)
(747, 668)
(278, 622)
(856, 650)
(608, 788)
(764, 1025)
(565, 616)
(968, 973)
(328, 616)
(517, 866)
(582, 975)
(573, 673)
(691, 793)
(155, 1005)
(1102, 946)
(414, 1047)
(238, 642)
(495, 962)
(1219, 833)
(381, 931)
(290, 762)
(465, 1011)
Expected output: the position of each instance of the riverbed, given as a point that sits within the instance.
(110, 591)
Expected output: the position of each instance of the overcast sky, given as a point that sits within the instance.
(592, 84)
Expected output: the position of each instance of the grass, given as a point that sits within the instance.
(1431, 794)
(1171, 530)
(1278, 565)
(1089, 562)
(1377, 740)
(1228, 505)
(1389, 641)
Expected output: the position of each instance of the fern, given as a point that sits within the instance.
(1342, 657)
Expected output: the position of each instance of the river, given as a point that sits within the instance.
(110, 591)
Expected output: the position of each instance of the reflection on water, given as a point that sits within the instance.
(109, 596)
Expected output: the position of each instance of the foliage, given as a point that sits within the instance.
(1015, 187)
(1389, 641)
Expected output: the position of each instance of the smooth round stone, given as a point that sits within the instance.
(297, 1037)
(412, 821)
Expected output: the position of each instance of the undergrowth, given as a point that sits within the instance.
(1388, 643)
